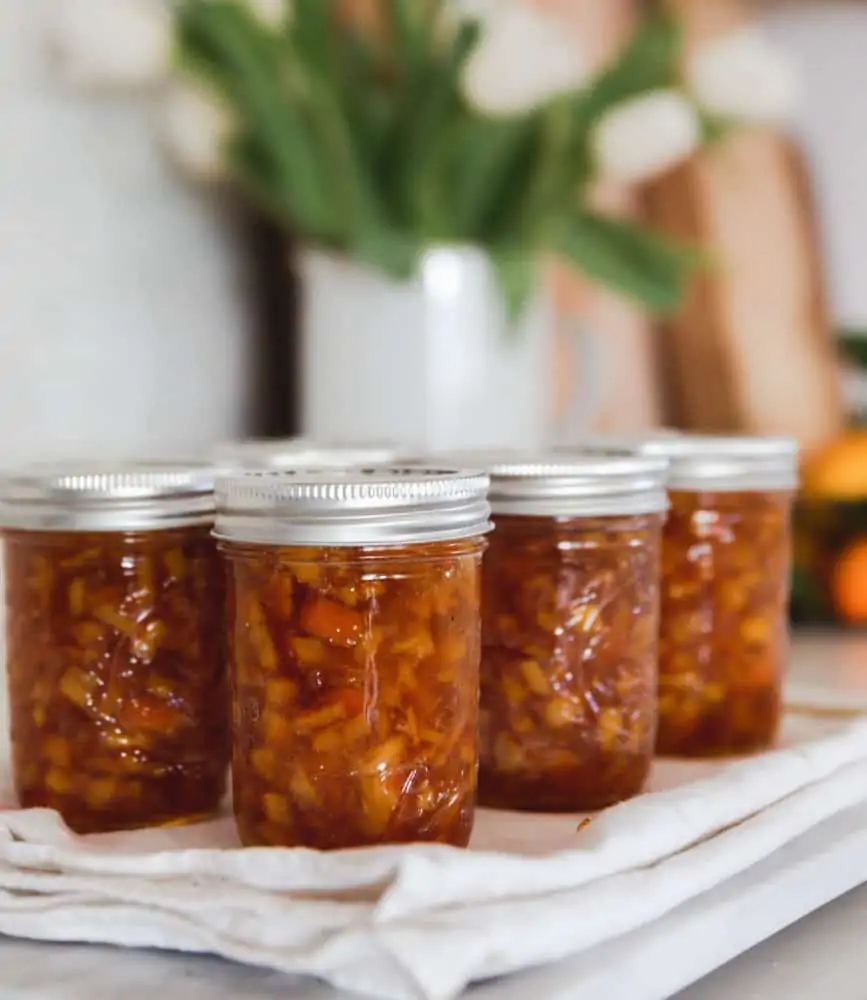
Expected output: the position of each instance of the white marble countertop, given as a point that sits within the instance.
(819, 955)
(822, 955)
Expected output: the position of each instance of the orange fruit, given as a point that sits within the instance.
(839, 471)
(849, 583)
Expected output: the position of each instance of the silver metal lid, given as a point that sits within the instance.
(353, 507)
(299, 453)
(588, 485)
(625, 441)
(96, 496)
(727, 464)
(709, 462)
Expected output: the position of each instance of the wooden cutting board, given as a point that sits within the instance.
(606, 377)
(752, 349)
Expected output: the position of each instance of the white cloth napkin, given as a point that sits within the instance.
(421, 922)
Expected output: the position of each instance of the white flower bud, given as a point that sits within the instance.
(113, 43)
(743, 76)
(272, 13)
(524, 59)
(643, 137)
(195, 130)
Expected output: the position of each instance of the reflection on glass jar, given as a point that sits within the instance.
(570, 626)
(355, 666)
(116, 666)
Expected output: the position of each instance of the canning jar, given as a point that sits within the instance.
(569, 635)
(115, 656)
(354, 644)
(725, 589)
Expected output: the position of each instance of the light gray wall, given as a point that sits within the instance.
(829, 40)
(123, 325)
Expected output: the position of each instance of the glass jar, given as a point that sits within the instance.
(725, 590)
(569, 635)
(354, 645)
(115, 662)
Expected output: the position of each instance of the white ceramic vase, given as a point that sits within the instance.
(433, 363)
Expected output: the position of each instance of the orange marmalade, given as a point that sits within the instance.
(354, 643)
(725, 591)
(116, 671)
(570, 628)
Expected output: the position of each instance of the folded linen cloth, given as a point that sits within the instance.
(421, 922)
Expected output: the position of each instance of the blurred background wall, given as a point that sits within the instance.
(140, 310)
(125, 319)
(829, 41)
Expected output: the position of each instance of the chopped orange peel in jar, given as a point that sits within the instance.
(724, 636)
(570, 614)
(573, 727)
(355, 666)
(725, 590)
(115, 658)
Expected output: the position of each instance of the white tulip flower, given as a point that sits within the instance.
(745, 77)
(195, 129)
(112, 43)
(525, 58)
(272, 13)
(643, 137)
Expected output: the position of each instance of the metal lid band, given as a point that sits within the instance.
(728, 464)
(710, 462)
(559, 485)
(139, 496)
(352, 507)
